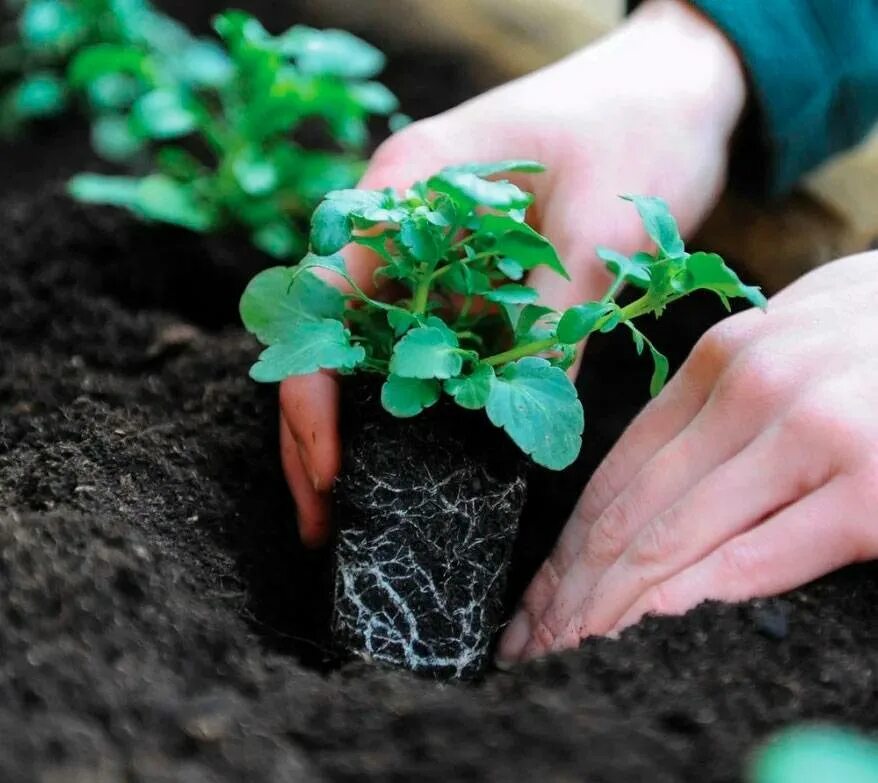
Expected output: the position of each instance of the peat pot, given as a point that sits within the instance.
(426, 514)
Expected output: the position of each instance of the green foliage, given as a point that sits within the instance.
(816, 753)
(120, 59)
(215, 122)
(456, 248)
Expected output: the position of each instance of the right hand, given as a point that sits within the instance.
(649, 109)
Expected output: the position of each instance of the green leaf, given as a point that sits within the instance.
(41, 94)
(401, 321)
(101, 189)
(816, 754)
(422, 239)
(163, 114)
(112, 139)
(277, 300)
(427, 352)
(537, 405)
(527, 318)
(113, 91)
(463, 279)
(161, 198)
(520, 242)
(332, 221)
(661, 368)
(333, 263)
(107, 58)
(406, 397)
(256, 175)
(511, 268)
(330, 228)
(467, 189)
(331, 53)
(374, 97)
(156, 197)
(50, 24)
(277, 238)
(500, 167)
(708, 271)
(630, 270)
(659, 223)
(236, 27)
(309, 346)
(512, 294)
(472, 391)
(578, 322)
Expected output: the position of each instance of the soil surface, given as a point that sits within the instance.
(160, 622)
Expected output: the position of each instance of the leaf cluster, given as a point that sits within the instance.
(215, 123)
(462, 321)
(107, 55)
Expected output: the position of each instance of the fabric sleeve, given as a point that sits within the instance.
(813, 71)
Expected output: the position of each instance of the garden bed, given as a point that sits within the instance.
(159, 620)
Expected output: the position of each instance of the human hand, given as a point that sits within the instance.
(755, 471)
(650, 109)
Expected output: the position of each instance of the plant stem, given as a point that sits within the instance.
(627, 313)
(422, 294)
(519, 352)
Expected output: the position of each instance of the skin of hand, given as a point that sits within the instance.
(649, 109)
(753, 472)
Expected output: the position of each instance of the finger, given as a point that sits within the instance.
(312, 507)
(770, 473)
(660, 422)
(705, 444)
(309, 407)
(798, 544)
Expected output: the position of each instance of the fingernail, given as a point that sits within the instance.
(306, 464)
(514, 638)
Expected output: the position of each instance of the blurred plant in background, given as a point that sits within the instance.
(250, 130)
(816, 754)
(106, 56)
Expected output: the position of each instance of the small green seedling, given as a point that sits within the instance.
(459, 247)
(111, 56)
(241, 164)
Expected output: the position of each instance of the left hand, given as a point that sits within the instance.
(755, 471)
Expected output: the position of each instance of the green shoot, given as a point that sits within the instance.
(458, 246)
(111, 56)
(224, 152)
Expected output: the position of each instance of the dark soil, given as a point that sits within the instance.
(427, 512)
(160, 622)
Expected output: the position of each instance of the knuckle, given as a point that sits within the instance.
(657, 542)
(601, 489)
(755, 376)
(813, 421)
(608, 537)
(740, 561)
(660, 600)
(719, 345)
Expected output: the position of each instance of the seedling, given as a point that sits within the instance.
(110, 55)
(241, 165)
(459, 247)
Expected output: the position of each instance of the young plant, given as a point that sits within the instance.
(242, 164)
(111, 56)
(458, 246)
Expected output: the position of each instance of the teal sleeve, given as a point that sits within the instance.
(813, 70)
